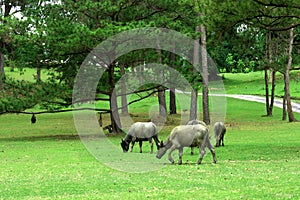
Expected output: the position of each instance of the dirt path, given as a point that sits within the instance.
(277, 102)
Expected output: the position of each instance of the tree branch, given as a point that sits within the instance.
(279, 5)
(57, 111)
(141, 98)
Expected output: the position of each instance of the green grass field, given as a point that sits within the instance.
(253, 83)
(27, 74)
(47, 160)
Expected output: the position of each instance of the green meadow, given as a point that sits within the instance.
(260, 159)
(253, 83)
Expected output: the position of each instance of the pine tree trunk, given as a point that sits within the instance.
(161, 91)
(284, 104)
(162, 102)
(268, 55)
(193, 107)
(6, 6)
(141, 72)
(173, 109)
(273, 76)
(123, 91)
(196, 64)
(114, 115)
(38, 73)
(267, 91)
(2, 73)
(205, 99)
(287, 79)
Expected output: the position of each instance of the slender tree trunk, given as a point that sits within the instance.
(270, 54)
(287, 78)
(268, 60)
(173, 109)
(196, 63)
(284, 103)
(2, 73)
(273, 84)
(38, 72)
(6, 6)
(141, 72)
(162, 102)
(193, 107)
(205, 99)
(114, 115)
(161, 91)
(123, 91)
(267, 91)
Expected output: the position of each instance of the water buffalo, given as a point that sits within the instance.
(194, 122)
(220, 130)
(139, 132)
(187, 136)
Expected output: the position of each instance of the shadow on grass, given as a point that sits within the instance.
(58, 137)
(41, 138)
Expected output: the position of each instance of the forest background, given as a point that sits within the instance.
(56, 36)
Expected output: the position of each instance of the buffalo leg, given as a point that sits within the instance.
(156, 141)
(132, 145)
(180, 155)
(222, 139)
(141, 144)
(132, 142)
(170, 154)
(202, 153)
(212, 150)
(218, 143)
(151, 145)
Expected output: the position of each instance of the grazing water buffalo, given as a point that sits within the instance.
(139, 132)
(194, 122)
(220, 131)
(187, 136)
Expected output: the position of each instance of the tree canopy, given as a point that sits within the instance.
(58, 35)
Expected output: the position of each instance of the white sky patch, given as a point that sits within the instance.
(242, 28)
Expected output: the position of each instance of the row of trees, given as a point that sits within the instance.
(57, 35)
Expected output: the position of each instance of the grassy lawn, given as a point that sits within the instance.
(47, 160)
(27, 74)
(260, 160)
(253, 83)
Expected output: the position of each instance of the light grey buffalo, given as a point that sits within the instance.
(194, 122)
(139, 132)
(187, 136)
(220, 130)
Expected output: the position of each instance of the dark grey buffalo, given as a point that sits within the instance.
(220, 130)
(139, 132)
(187, 136)
(194, 122)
